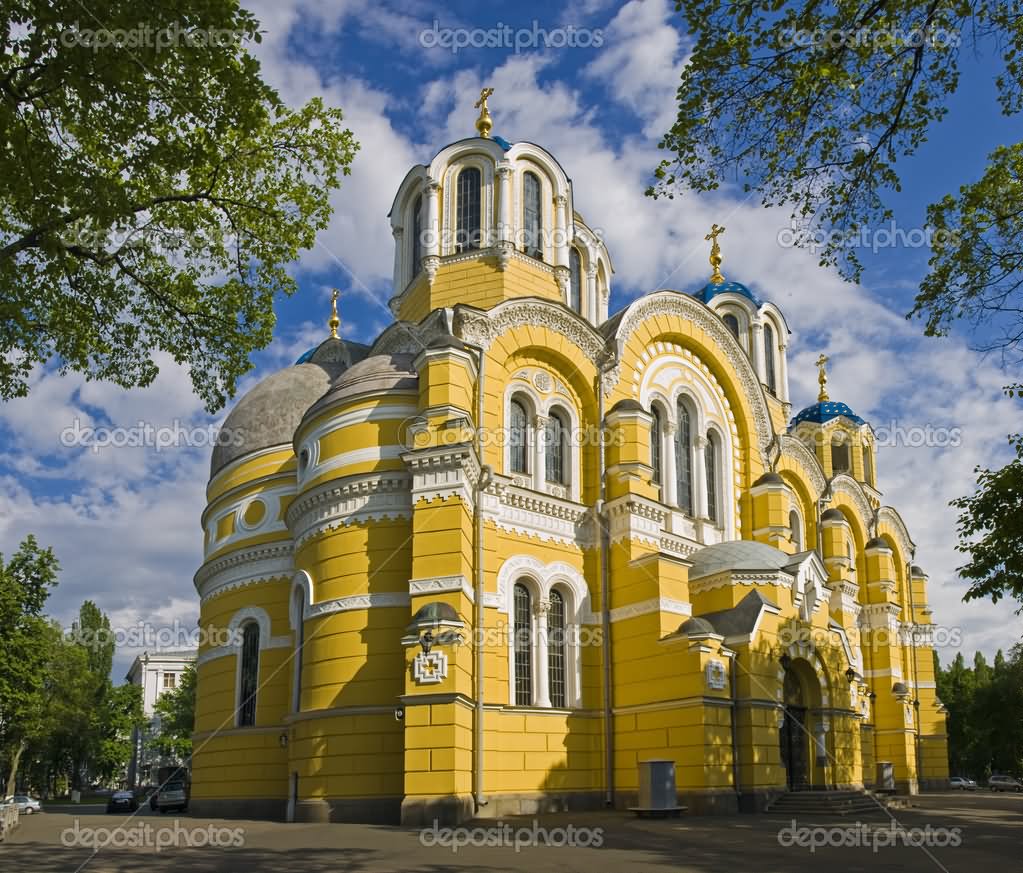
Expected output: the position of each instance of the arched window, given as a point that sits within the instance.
(732, 323)
(248, 676)
(796, 530)
(556, 649)
(868, 466)
(839, 454)
(769, 377)
(299, 609)
(417, 235)
(532, 216)
(655, 444)
(684, 460)
(575, 280)
(523, 646)
(556, 438)
(469, 230)
(518, 437)
(710, 464)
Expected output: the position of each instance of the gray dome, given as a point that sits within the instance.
(877, 543)
(769, 479)
(695, 625)
(268, 414)
(742, 555)
(373, 375)
(446, 341)
(832, 515)
(916, 570)
(628, 405)
(899, 689)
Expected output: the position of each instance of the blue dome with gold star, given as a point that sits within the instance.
(825, 410)
(712, 289)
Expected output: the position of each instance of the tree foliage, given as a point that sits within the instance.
(176, 712)
(985, 714)
(155, 189)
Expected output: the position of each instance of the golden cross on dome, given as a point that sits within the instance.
(484, 124)
(335, 320)
(715, 253)
(822, 378)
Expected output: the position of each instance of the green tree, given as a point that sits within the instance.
(25, 583)
(176, 712)
(155, 190)
(814, 108)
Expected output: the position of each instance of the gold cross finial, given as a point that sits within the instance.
(822, 378)
(715, 253)
(484, 124)
(335, 320)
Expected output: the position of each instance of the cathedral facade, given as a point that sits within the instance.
(492, 562)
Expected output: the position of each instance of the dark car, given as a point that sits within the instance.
(172, 796)
(1004, 783)
(122, 801)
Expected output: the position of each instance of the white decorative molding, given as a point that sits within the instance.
(886, 514)
(353, 500)
(727, 578)
(443, 472)
(440, 585)
(382, 600)
(244, 567)
(545, 576)
(845, 485)
(793, 449)
(266, 641)
(716, 676)
(881, 616)
(544, 516)
(631, 517)
(654, 604)
(271, 521)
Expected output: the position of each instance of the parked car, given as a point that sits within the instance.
(27, 805)
(962, 783)
(172, 796)
(122, 801)
(1004, 783)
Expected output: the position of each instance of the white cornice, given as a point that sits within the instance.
(244, 567)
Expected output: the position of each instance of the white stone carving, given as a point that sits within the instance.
(430, 669)
(716, 676)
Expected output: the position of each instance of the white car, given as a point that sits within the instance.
(961, 783)
(27, 805)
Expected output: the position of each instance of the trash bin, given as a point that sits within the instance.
(885, 776)
(76, 796)
(657, 785)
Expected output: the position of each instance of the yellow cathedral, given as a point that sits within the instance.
(491, 563)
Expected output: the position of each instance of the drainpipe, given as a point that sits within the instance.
(912, 659)
(484, 479)
(605, 605)
(735, 728)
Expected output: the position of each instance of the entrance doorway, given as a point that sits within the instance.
(794, 736)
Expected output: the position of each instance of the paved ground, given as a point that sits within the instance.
(979, 833)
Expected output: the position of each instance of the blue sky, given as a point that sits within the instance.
(125, 522)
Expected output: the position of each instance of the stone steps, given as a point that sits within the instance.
(834, 803)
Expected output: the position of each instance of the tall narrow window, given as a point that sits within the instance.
(299, 609)
(523, 646)
(684, 460)
(868, 466)
(417, 235)
(839, 454)
(655, 444)
(518, 437)
(556, 437)
(556, 649)
(732, 323)
(796, 530)
(249, 676)
(469, 231)
(575, 280)
(532, 217)
(769, 377)
(710, 463)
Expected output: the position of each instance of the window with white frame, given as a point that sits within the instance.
(248, 675)
(417, 235)
(732, 323)
(299, 610)
(656, 433)
(684, 458)
(468, 211)
(711, 473)
(556, 447)
(532, 215)
(796, 530)
(575, 280)
(518, 437)
(556, 630)
(770, 379)
(523, 645)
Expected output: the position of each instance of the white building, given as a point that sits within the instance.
(155, 673)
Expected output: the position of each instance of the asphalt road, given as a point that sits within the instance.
(943, 832)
